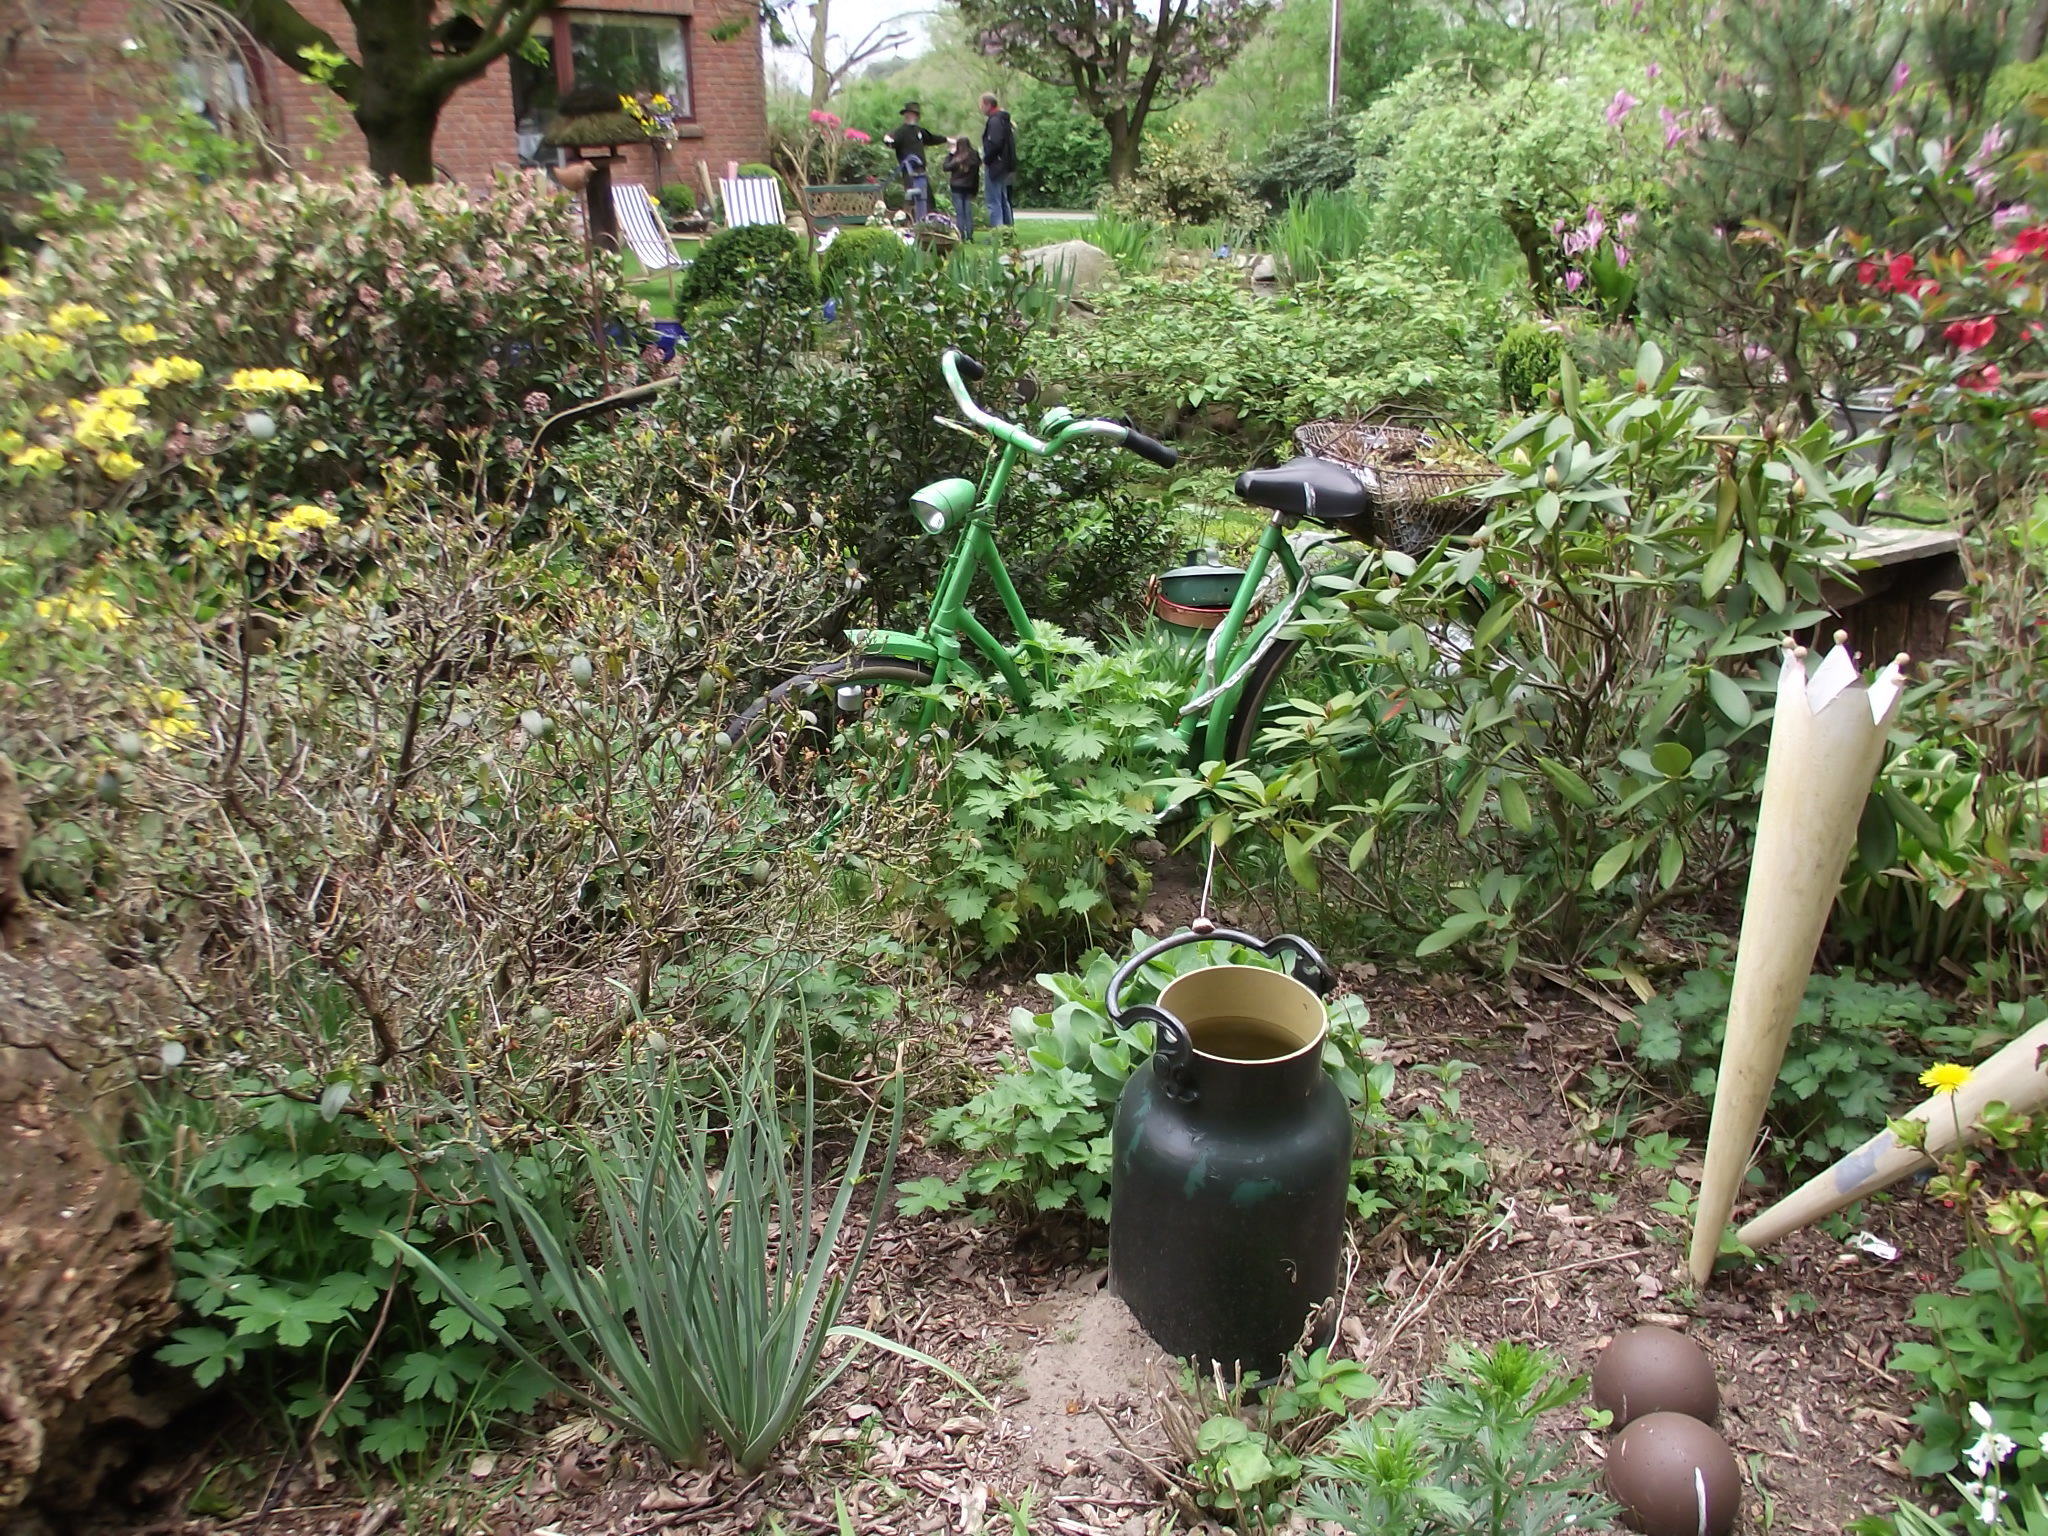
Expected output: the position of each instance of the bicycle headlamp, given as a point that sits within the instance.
(939, 503)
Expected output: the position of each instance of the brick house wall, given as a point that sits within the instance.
(78, 84)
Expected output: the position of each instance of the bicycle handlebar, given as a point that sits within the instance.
(959, 368)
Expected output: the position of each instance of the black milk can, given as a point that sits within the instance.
(1232, 1160)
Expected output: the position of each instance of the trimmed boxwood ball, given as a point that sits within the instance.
(855, 250)
(678, 200)
(1528, 358)
(731, 262)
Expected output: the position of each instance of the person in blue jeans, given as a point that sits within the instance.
(963, 176)
(998, 161)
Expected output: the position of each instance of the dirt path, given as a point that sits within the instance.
(1799, 1342)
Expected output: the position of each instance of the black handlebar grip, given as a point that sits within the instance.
(1150, 448)
(970, 370)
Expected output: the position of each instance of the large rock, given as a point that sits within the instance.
(85, 1275)
(1073, 265)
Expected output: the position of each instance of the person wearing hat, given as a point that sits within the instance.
(911, 138)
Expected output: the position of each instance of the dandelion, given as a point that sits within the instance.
(68, 319)
(138, 335)
(1947, 1077)
(120, 465)
(304, 518)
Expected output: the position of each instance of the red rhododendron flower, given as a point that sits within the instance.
(1899, 269)
(2032, 241)
(1866, 272)
(1969, 335)
(2005, 256)
(1920, 288)
(1983, 381)
(2039, 417)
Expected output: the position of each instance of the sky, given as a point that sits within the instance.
(851, 20)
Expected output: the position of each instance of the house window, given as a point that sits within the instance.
(617, 53)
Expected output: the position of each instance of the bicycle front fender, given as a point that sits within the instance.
(899, 645)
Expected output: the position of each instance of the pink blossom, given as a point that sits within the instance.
(1653, 69)
(536, 403)
(855, 136)
(2016, 213)
(1620, 254)
(1901, 73)
(1674, 126)
(1626, 223)
(817, 117)
(1573, 279)
(490, 368)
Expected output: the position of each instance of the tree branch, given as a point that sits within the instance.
(514, 23)
(287, 34)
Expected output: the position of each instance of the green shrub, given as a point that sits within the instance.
(767, 260)
(283, 1207)
(857, 249)
(1319, 156)
(433, 320)
(678, 200)
(1855, 1050)
(1041, 1129)
(1068, 159)
(1527, 359)
(1183, 179)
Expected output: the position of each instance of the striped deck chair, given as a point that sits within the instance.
(751, 200)
(640, 223)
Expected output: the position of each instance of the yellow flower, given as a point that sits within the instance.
(304, 518)
(171, 717)
(37, 460)
(121, 395)
(29, 343)
(7, 289)
(138, 335)
(11, 441)
(1945, 1077)
(102, 426)
(88, 608)
(118, 465)
(67, 319)
(160, 371)
(247, 538)
(271, 381)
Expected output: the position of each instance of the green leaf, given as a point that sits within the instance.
(1670, 860)
(1877, 836)
(1514, 804)
(917, 1196)
(1612, 863)
(1764, 578)
(1475, 800)
(1673, 759)
(207, 1351)
(1301, 863)
(1729, 698)
(1913, 820)
(1720, 565)
(1568, 784)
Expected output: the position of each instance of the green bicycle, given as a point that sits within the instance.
(1241, 686)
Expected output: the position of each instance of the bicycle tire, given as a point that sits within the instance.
(1249, 719)
(753, 731)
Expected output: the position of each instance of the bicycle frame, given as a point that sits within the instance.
(953, 639)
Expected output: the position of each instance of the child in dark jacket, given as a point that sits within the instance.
(963, 169)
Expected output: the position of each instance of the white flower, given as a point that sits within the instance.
(1988, 1500)
(1981, 1414)
(1990, 1451)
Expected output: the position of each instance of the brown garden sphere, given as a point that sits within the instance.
(1673, 1476)
(1653, 1370)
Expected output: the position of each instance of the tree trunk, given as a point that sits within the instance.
(821, 69)
(402, 143)
(1125, 140)
(2034, 33)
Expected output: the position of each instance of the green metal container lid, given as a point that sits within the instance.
(1201, 586)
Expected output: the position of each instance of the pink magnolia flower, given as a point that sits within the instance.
(1674, 126)
(1620, 107)
(1573, 279)
(1653, 69)
(1620, 254)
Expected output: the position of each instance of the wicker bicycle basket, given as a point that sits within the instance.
(1419, 502)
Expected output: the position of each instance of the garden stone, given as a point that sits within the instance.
(1265, 270)
(1074, 265)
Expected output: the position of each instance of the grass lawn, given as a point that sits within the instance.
(654, 288)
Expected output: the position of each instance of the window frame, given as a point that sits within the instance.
(565, 52)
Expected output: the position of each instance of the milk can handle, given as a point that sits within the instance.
(1172, 1050)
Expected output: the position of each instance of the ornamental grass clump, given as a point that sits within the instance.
(714, 1303)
